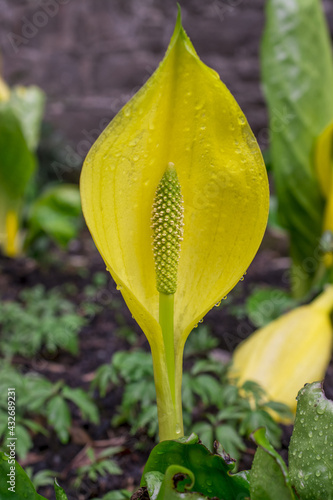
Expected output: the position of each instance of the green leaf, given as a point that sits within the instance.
(212, 473)
(207, 388)
(56, 213)
(311, 446)
(206, 433)
(154, 482)
(28, 105)
(266, 304)
(83, 401)
(269, 479)
(23, 487)
(24, 441)
(59, 417)
(297, 72)
(17, 163)
(171, 486)
(260, 418)
(230, 440)
(59, 492)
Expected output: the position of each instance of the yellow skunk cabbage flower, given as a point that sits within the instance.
(182, 127)
(324, 168)
(291, 351)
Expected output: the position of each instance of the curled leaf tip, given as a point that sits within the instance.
(167, 225)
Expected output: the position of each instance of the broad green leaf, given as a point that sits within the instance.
(154, 481)
(28, 105)
(17, 163)
(269, 478)
(311, 445)
(23, 487)
(211, 472)
(297, 72)
(186, 116)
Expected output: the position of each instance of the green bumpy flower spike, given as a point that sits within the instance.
(167, 225)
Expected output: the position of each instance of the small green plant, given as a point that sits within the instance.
(263, 305)
(36, 397)
(98, 465)
(238, 412)
(53, 215)
(41, 478)
(40, 320)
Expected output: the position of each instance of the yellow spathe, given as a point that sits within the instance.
(185, 115)
(324, 168)
(291, 351)
(4, 91)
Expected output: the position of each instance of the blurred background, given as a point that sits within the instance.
(90, 56)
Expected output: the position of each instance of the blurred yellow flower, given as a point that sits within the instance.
(291, 351)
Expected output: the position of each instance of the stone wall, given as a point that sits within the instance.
(90, 56)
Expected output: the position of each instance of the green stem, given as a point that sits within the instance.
(168, 374)
(166, 314)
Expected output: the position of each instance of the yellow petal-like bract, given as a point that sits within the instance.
(324, 169)
(289, 352)
(183, 115)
